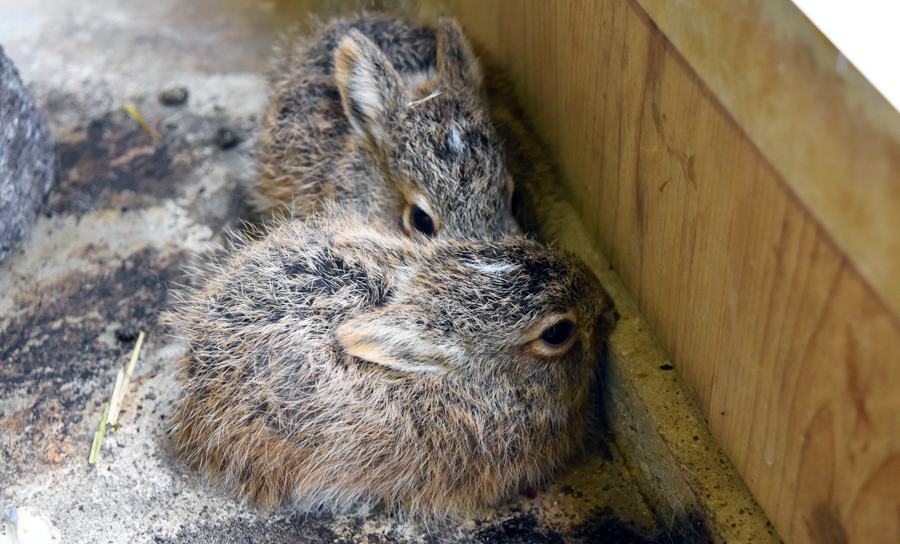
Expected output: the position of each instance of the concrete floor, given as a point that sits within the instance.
(125, 217)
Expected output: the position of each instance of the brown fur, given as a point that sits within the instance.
(331, 364)
(382, 115)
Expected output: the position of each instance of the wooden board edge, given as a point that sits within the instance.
(833, 138)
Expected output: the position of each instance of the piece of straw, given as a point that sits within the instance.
(114, 399)
(119, 393)
(98, 437)
(135, 114)
(134, 357)
(111, 410)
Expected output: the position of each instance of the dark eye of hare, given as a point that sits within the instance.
(421, 221)
(558, 333)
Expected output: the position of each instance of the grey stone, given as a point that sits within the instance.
(26, 157)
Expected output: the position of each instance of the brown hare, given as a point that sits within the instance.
(333, 364)
(389, 119)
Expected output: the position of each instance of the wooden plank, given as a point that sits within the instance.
(770, 67)
(656, 420)
(769, 278)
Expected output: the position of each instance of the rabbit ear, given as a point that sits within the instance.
(456, 62)
(398, 338)
(370, 87)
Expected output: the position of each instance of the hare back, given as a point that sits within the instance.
(331, 365)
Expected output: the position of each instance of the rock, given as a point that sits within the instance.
(26, 157)
(27, 526)
(226, 138)
(173, 97)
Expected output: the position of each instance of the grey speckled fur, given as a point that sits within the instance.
(333, 363)
(382, 116)
(26, 157)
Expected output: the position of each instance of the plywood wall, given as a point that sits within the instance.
(763, 265)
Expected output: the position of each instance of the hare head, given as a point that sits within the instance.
(433, 134)
(331, 365)
(478, 311)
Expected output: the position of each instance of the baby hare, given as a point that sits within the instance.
(332, 364)
(388, 119)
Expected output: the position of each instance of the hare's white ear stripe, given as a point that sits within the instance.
(456, 61)
(394, 338)
(370, 87)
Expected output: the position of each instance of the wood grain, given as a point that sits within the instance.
(770, 279)
(832, 136)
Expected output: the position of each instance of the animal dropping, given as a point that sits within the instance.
(386, 118)
(333, 364)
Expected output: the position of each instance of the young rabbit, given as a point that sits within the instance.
(331, 363)
(386, 118)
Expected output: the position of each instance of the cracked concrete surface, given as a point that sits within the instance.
(126, 216)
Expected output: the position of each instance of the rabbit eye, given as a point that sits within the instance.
(421, 221)
(558, 333)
